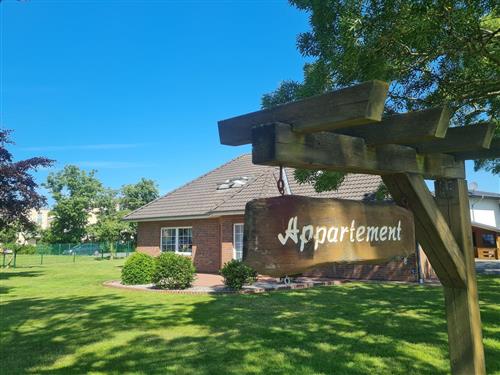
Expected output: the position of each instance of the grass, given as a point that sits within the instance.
(59, 319)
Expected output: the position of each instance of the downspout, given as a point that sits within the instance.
(472, 207)
(287, 185)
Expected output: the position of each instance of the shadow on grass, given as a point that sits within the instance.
(353, 329)
(9, 275)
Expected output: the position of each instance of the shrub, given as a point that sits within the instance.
(20, 249)
(173, 271)
(138, 269)
(236, 274)
(26, 249)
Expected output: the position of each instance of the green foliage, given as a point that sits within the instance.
(173, 271)
(321, 180)
(138, 269)
(382, 193)
(236, 274)
(20, 249)
(137, 195)
(76, 194)
(432, 52)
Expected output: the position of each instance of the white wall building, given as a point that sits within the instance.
(485, 208)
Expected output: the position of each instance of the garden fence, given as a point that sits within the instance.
(68, 253)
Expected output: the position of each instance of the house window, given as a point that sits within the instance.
(489, 239)
(178, 240)
(238, 241)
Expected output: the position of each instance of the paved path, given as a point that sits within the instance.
(488, 267)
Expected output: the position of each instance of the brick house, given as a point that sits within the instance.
(204, 219)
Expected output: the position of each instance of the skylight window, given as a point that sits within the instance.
(236, 182)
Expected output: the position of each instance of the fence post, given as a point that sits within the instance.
(74, 256)
(3, 262)
(41, 258)
(15, 259)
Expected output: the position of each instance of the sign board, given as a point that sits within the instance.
(288, 235)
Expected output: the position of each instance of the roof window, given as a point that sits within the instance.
(236, 182)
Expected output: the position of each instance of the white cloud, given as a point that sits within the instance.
(103, 146)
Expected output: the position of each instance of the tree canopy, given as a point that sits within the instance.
(432, 52)
(76, 194)
(137, 195)
(18, 189)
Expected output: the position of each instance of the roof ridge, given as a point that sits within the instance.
(185, 185)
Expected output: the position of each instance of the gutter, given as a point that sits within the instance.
(188, 217)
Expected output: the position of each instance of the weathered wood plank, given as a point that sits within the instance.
(351, 106)
(419, 126)
(459, 139)
(277, 144)
(291, 234)
(492, 153)
(462, 306)
(433, 233)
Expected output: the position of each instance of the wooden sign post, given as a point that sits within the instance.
(291, 234)
(344, 131)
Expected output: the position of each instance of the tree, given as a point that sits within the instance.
(137, 195)
(110, 226)
(18, 189)
(76, 194)
(432, 52)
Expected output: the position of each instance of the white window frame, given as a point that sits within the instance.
(234, 240)
(176, 251)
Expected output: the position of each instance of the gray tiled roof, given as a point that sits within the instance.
(201, 198)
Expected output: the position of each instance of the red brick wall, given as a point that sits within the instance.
(209, 251)
(226, 225)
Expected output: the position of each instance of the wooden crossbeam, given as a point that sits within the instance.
(459, 139)
(492, 153)
(276, 144)
(352, 106)
(420, 126)
(431, 228)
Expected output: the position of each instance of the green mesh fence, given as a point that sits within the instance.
(41, 254)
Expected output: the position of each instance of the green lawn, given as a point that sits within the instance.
(59, 319)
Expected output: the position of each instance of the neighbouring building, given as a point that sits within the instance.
(204, 219)
(485, 218)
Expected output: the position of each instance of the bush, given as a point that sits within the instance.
(236, 274)
(20, 249)
(138, 269)
(26, 249)
(173, 271)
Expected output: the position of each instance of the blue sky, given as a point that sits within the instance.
(135, 88)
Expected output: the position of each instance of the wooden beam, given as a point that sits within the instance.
(492, 153)
(432, 231)
(459, 139)
(420, 126)
(277, 144)
(351, 106)
(462, 306)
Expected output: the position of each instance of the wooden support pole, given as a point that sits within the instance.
(462, 306)
(276, 144)
(431, 228)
